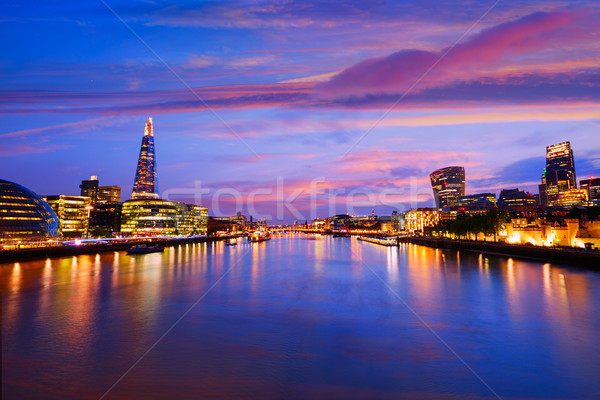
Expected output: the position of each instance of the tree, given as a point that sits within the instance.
(497, 220)
(99, 232)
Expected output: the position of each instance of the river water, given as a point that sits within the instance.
(299, 317)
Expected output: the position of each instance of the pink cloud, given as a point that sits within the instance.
(484, 53)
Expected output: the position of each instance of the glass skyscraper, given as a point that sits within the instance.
(559, 174)
(145, 185)
(448, 184)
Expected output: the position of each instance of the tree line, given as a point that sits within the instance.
(467, 226)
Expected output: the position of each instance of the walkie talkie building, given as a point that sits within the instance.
(448, 184)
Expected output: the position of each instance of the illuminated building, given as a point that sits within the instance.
(571, 197)
(418, 219)
(100, 194)
(476, 198)
(156, 217)
(217, 225)
(517, 201)
(106, 216)
(239, 219)
(89, 188)
(448, 184)
(195, 220)
(399, 220)
(145, 185)
(73, 213)
(592, 186)
(24, 215)
(108, 194)
(559, 174)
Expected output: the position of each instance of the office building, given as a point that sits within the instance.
(559, 174)
(156, 217)
(99, 194)
(108, 194)
(517, 202)
(592, 187)
(89, 188)
(24, 215)
(572, 198)
(106, 216)
(419, 219)
(73, 214)
(480, 198)
(448, 184)
(145, 185)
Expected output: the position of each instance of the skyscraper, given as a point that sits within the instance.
(89, 188)
(145, 185)
(448, 184)
(559, 174)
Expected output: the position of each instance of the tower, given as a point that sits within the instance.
(145, 185)
(559, 174)
(448, 184)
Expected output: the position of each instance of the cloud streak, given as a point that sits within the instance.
(482, 54)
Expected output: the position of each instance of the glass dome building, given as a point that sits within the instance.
(24, 215)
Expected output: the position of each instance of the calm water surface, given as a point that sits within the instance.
(299, 317)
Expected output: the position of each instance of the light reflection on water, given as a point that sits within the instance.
(299, 317)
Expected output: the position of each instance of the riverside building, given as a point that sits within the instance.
(24, 215)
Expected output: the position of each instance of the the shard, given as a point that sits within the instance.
(145, 185)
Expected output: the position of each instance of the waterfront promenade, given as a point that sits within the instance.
(40, 253)
(589, 259)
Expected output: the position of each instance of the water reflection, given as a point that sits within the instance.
(299, 318)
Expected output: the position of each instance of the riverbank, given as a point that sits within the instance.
(42, 253)
(580, 258)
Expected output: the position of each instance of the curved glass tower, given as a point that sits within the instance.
(448, 184)
(145, 185)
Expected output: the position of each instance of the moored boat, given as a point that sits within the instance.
(145, 249)
(259, 236)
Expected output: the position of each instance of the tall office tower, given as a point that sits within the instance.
(145, 185)
(559, 174)
(89, 188)
(448, 184)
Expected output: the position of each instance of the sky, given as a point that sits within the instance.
(295, 110)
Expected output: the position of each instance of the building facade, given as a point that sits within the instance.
(592, 187)
(517, 202)
(559, 174)
(419, 219)
(145, 185)
(448, 184)
(73, 214)
(24, 215)
(156, 217)
(106, 216)
(89, 188)
(99, 194)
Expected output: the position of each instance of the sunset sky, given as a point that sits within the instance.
(365, 96)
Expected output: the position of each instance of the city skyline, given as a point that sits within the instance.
(508, 85)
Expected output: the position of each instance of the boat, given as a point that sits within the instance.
(231, 242)
(341, 235)
(259, 236)
(145, 249)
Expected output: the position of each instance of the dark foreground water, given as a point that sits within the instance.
(299, 317)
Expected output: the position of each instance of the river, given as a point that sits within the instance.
(299, 317)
